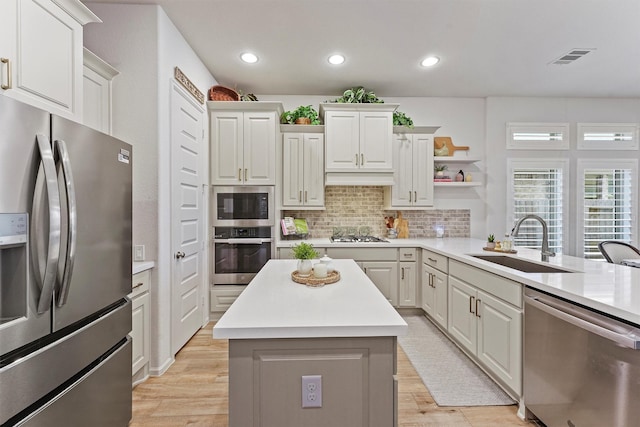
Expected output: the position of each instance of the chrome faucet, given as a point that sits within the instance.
(546, 253)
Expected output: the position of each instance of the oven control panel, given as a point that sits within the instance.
(241, 232)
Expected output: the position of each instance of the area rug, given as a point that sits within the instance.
(449, 375)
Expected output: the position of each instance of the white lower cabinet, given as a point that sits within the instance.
(221, 297)
(140, 333)
(385, 276)
(434, 294)
(486, 325)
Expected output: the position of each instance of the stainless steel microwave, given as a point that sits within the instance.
(243, 206)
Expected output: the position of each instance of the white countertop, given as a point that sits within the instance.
(274, 306)
(140, 266)
(606, 287)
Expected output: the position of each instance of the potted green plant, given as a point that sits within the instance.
(358, 95)
(303, 115)
(304, 253)
(491, 241)
(401, 119)
(440, 170)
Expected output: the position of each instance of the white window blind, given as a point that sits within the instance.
(536, 187)
(608, 203)
(607, 136)
(538, 136)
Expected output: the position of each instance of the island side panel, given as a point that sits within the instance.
(358, 382)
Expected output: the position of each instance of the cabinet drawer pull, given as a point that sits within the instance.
(239, 174)
(432, 260)
(478, 308)
(9, 83)
(471, 305)
(138, 285)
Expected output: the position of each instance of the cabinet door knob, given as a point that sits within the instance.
(180, 254)
(9, 82)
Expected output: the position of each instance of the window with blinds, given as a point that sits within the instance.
(608, 203)
(536, 187)
(607, 136)
(538, 136)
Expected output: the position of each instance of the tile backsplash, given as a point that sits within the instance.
(358, 206)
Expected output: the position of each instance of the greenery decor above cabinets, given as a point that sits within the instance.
(413, 168)
(358, 148)
(302, 166)
(243, 142)
(41, 51)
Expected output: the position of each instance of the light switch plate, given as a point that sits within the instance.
(138, 253)
(312, 391)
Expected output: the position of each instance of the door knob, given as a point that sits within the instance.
(179, 255)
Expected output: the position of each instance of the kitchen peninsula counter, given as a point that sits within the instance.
(609, 288)
(280, 331)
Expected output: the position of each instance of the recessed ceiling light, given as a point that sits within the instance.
(430, 61)
(336, 59)
(249, 58)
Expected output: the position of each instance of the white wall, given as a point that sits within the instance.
(142, 43)
(500, 111)
(463, 119)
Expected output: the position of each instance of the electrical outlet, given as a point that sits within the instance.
(138, 253)
(312, 391)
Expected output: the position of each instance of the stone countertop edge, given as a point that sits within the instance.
(273, 306)
(609, 288)
(140, 266)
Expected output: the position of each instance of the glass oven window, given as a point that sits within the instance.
(241, 258)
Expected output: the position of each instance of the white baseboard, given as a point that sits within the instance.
(158, 371)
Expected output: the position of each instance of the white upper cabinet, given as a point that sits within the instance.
(96, 92)
(358, 143)
(303, 168)
(243, 142)
(413, 168)
(41, 51)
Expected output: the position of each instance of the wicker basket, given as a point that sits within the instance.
(312, 281)
(221, 93)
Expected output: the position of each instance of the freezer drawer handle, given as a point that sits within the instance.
(628, 341)
(72, 212)
(45, 276)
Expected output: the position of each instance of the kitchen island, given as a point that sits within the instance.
(341, 337)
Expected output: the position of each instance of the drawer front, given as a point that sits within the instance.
(407, 254)
(364, 254)
(221, 299)
(437, 261)
(140, 283)
(505, 289)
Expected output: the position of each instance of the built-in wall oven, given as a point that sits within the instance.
(243, 228)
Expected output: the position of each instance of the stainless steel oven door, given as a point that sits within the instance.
(251, 206)
(237, 261)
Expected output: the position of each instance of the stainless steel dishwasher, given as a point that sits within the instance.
(581, 368)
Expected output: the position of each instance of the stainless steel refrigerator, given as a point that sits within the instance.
(65, 271)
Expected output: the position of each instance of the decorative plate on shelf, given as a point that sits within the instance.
(311, 280)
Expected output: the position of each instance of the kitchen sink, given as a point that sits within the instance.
(521, 264)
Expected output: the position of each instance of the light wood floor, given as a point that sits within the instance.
(193, 392)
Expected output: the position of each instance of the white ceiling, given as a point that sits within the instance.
(487, 47)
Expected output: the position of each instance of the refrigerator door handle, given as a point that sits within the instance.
(61, 148)
(46, 277)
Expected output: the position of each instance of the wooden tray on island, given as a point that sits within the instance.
(512, 251)
(332, 277)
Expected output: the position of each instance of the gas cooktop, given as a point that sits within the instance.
(356, 239)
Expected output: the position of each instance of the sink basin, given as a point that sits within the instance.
(521, 264)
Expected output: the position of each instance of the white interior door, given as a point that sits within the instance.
(187, 217)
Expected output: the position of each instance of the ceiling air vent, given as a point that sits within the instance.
(572, 56)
